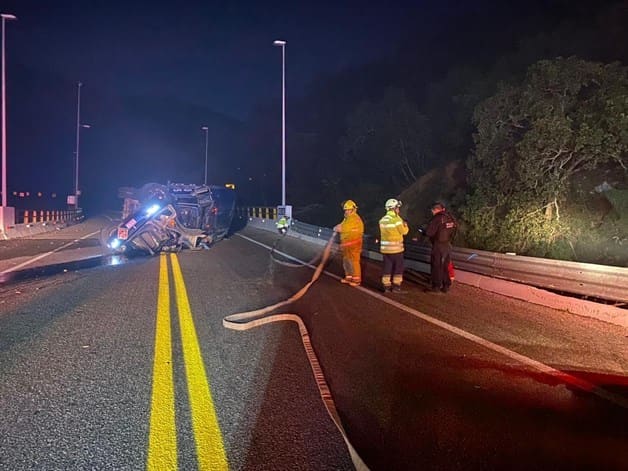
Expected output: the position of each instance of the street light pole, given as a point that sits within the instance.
(5, 16)
(282, 44)
(206, 129)
(78, 140)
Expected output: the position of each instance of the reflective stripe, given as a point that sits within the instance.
(391, 246)
(351, 242)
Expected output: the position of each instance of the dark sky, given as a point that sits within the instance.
(218, 54)
(212, 56)
(153, 72)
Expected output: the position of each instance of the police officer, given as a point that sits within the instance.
(440, 230)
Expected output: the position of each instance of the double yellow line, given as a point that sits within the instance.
(162, 442)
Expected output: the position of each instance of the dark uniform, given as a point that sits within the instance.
(441, 230)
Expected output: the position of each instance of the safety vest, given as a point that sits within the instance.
(392, 229)
(351, 230)
(282, 223)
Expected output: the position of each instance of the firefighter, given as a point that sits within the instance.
(351, 231)
(392, 229)
(441, 230)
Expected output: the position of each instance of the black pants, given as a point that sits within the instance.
(392, 272)
(439, 261)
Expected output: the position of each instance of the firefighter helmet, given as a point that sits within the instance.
(392, 203)
(349, 204)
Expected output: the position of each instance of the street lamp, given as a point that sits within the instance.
(78, 140)
(282, 44)
(206, 129)
(5, 215)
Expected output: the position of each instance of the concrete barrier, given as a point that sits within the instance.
(26, 230)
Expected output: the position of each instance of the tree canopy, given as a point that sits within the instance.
(566, 117)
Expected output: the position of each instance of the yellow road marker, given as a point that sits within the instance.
(210, 449)
(162, 442)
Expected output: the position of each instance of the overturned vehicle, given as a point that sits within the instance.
(166, 218)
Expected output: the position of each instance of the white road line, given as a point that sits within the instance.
(537, 365)
(43, 255)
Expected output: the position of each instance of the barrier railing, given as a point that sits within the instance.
(28, 216)
(261, 212)
(584, 279)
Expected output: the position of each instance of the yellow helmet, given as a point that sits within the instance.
(349, 204)
(392, 203)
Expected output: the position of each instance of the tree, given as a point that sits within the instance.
(566, 117)
(389, 141)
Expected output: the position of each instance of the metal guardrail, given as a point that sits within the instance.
(584, 279)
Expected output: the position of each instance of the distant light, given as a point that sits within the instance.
(279, 42)
(153, 209)
(230, 185)
(115, 243)
(8, 16)
(54, 195)
(39, 194)
(204, 128)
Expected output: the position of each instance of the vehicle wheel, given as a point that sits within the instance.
(105, 234)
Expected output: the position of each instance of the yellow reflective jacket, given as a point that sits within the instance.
(392, 229)
(283, 222)
(351, 230)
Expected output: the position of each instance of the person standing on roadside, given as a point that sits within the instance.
(351, 231)
(392, 228)
(440, 230)
(282, 225)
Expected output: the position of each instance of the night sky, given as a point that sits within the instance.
(154, 72)
(214, 57)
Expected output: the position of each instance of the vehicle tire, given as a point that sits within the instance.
(105, 234)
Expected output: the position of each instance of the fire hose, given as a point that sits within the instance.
(251, 319)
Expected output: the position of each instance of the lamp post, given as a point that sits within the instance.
(282, 44)
(206, 129)
(78, 140)
(5, 16)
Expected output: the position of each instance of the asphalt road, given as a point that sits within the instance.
(467, 380)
